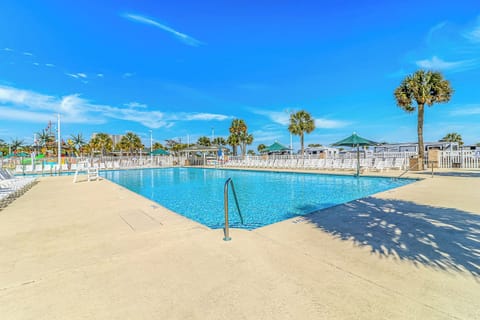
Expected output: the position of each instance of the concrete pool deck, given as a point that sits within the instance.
(94, 250)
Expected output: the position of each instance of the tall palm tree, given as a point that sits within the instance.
(78, 142)
(130, 141)
(204, 141)
(425, 88)
(301, 122)
(45, 139)
(245, 139)
(453, 137)
(101, 142)
(237, 129)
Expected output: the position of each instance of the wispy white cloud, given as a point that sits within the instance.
(436, 63)
(283, 118)
(466, 110)
(28, 106)
(149, 21)
(270, 136)
(78, 75)
(473, 34)
(127, 75)
(322, 123)
(50, 65)
(28, 54)
(7, 49)
(36, 64)
(135, 104)
(100, 75)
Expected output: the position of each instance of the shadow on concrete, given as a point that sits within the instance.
(443, 238)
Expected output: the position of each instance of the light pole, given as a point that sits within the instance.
(151, 149)
(213, 135)
(59, 143)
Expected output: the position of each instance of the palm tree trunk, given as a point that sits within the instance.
(301, 143)
(421, 148)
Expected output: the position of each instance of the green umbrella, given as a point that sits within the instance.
(160, 152)
(276, 147)
(355, 141)
(40, 156)
(22, 154)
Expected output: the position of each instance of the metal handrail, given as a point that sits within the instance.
(225, 205)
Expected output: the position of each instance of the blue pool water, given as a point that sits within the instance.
(264, 197)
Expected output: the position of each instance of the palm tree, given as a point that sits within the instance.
(237, 128)
(16, 144)
(245, 139)
(45, 139)
(425, 88)
(78, 142)
(453, 137)
(251, 152)
(130, 141)
(219, 141)
(157, 145)
(204, 141)
(101, 142)
(261, 147)
(301, 122)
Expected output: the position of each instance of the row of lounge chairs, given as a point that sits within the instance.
(366, 164)
(101, 165)
(11, 187)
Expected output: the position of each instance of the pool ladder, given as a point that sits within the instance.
(225, 205)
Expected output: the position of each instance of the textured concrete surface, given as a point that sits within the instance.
(94, 250)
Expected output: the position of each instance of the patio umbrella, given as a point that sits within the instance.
(22, 154)
(355, 141)
(160, 152)
(275, 147)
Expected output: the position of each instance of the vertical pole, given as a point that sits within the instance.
(213, 134)
(291, 144)
(59, 155)
(225, 204)
(151, 149)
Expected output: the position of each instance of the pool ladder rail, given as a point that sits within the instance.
(225, 205)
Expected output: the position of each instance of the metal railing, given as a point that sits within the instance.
(225, 205)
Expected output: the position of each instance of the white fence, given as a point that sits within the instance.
(459, 159)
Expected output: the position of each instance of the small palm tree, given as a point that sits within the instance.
(425, 88)
(453, 137)
(130, 141)
(204, 141)
(301, 122)
(101, 142)
(78, 142)
(261, 147)
(219, 141)
(157, 145)
(16, 144)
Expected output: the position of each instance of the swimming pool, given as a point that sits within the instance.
(264, 197)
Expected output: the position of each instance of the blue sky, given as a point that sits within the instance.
(185, 68)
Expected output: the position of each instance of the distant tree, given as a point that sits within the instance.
(251, 152)
(16, 144)
(219, 141)
(301, 122)
(78, 142)
(130, 142)
(261, 147)
(101, 142)
(314, 145)
(453, 137)
(204, 141)
(158, 145)
(425, 88)
(45, 139)
(478, 144)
